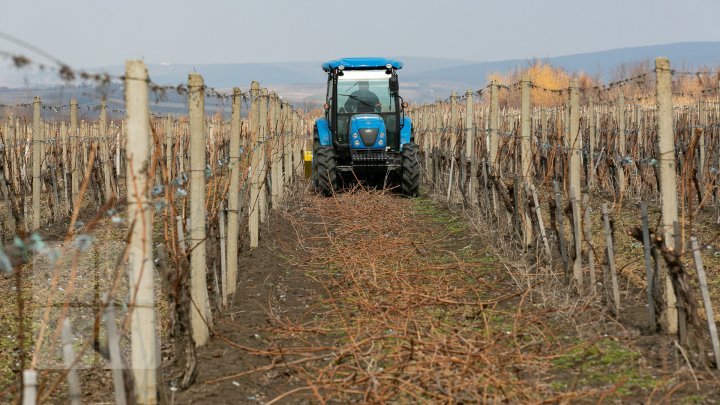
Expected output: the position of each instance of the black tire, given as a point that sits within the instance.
(313, 165)
(410, 176)
(326, 170)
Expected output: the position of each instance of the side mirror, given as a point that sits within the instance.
(326, 106)
(394, 84)
(405, 105)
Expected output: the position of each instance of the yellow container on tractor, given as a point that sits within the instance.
(307, 157)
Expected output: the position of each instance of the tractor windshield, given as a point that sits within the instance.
(361, 92)
(365, 96)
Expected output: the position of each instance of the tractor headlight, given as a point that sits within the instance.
(388, 66)
(341, 67)
(355, 135)
(382, 134)
(356, 143)
(380, 142)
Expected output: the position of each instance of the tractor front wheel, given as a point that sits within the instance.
(325, 164)
(410, 181)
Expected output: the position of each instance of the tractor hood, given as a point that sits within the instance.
(367, 131)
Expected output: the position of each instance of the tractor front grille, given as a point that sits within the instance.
(374, 158)
(369, 135)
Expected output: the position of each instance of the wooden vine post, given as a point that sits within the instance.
(145, 359)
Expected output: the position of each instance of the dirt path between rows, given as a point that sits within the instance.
(370, 297)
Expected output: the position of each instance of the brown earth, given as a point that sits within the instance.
(370, 297)
(417, 306)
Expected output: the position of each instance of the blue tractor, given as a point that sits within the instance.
(365, 133)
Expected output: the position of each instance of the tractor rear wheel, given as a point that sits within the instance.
(326, 180)
(410, 176)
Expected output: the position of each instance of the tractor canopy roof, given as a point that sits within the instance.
(361, 64)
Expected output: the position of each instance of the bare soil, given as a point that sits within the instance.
(370, 297)
(436, 314)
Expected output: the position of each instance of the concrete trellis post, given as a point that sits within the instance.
(37, 145)
(9, 146)
(575, 143)
(105, 148)
(566, 121)
(298, 139)
(263, 145)
(424, 147)
(182, 135)
(525, 158)
(668, 186)
(234, 192)
(145, 360)
(453, 122)
(640, 137)
(87, 131)
(494, 126)
(200, 311)
(255, 176)
(621, 143)
(64, 158)
(274, 132)
(30, 379)
(44, 132)
(169, 147)
(271, 136)
(68, 355)
(295, 149)
(13, 137)
(702, 280)
(470, 144)
(278, 150)
(288, 137)
(74, 168)
(591, 147)
(702, 122)
(525, 145)
(438, 129)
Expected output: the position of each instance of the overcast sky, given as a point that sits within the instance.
(89, 33)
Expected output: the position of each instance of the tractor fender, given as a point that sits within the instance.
(322, 132)
(406, 133)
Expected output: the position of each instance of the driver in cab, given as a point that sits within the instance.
(363, 100)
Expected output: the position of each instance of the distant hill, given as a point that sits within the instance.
(422, 78)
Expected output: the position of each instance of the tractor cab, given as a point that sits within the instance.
(364, 129)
